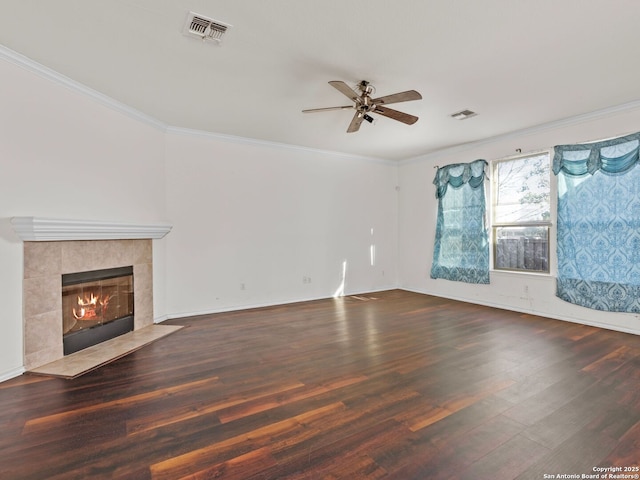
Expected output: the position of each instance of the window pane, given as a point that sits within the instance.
(522, 248)
(522, 190)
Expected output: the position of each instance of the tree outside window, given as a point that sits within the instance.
(522, 213)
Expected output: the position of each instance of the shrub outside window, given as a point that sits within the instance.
(521, 213)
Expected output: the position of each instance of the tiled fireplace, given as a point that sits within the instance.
(46, 261)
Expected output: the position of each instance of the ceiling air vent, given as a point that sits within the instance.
(205, 28)
(464, 114)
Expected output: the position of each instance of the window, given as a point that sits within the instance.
(521, 213)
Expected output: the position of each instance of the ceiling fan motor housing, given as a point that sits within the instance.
(365, 87)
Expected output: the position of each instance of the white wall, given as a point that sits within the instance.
(251, 221)
(244, 213)
(520, 292)
(64, 155)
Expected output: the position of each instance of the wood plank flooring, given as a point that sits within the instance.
(392, 385)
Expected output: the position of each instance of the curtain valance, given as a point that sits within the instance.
(609, 156)
(459, 174)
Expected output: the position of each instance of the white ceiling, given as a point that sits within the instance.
(518, 63)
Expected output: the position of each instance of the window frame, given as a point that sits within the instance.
(495, 225)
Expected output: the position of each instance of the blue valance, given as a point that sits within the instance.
(458, 174)
(609, 156)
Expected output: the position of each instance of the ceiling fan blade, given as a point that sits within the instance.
(396, 115)
(326, 109)
(345, 89)
(398, 97)
(356, 121)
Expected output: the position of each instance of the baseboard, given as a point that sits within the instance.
(235, 308)
(563, 318)
(161, 319)
(16, 372)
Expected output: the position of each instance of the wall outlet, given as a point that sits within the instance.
(306, 279)
(242, 286)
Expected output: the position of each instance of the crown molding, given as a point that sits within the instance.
(563, 122)
(50, 74)
(38, 229)
(265, 143)
(55, 77)
(59, 79)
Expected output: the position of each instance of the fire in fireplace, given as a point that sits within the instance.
(96, 306)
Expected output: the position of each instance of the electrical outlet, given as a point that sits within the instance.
(242, 287)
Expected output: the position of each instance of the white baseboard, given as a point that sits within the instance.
(161, 319)
(235, 308)
(16, 372)
(563, 318)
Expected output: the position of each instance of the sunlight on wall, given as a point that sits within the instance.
(340, 290)
(372, 252)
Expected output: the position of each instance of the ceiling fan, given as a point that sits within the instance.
(365, 105)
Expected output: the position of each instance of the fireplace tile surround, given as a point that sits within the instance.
(44, 264)
(53, 247)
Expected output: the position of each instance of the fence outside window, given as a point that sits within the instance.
(521, 213)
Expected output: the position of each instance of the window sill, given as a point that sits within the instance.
(520, 273)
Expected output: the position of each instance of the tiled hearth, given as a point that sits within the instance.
(56, 251)
(90, 358)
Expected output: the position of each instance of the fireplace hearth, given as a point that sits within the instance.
(96, 306)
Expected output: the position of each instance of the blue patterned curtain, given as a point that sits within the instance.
(599, 224)
(461, 251)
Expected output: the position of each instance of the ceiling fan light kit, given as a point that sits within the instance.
(365, 105)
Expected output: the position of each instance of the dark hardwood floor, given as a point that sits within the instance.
(391, 385)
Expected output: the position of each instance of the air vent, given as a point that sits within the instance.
(205, 28)
(464, 114)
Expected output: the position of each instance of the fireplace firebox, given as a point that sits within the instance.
(96, 306)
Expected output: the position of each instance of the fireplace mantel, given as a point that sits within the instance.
(38, 229)
(53, 247)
